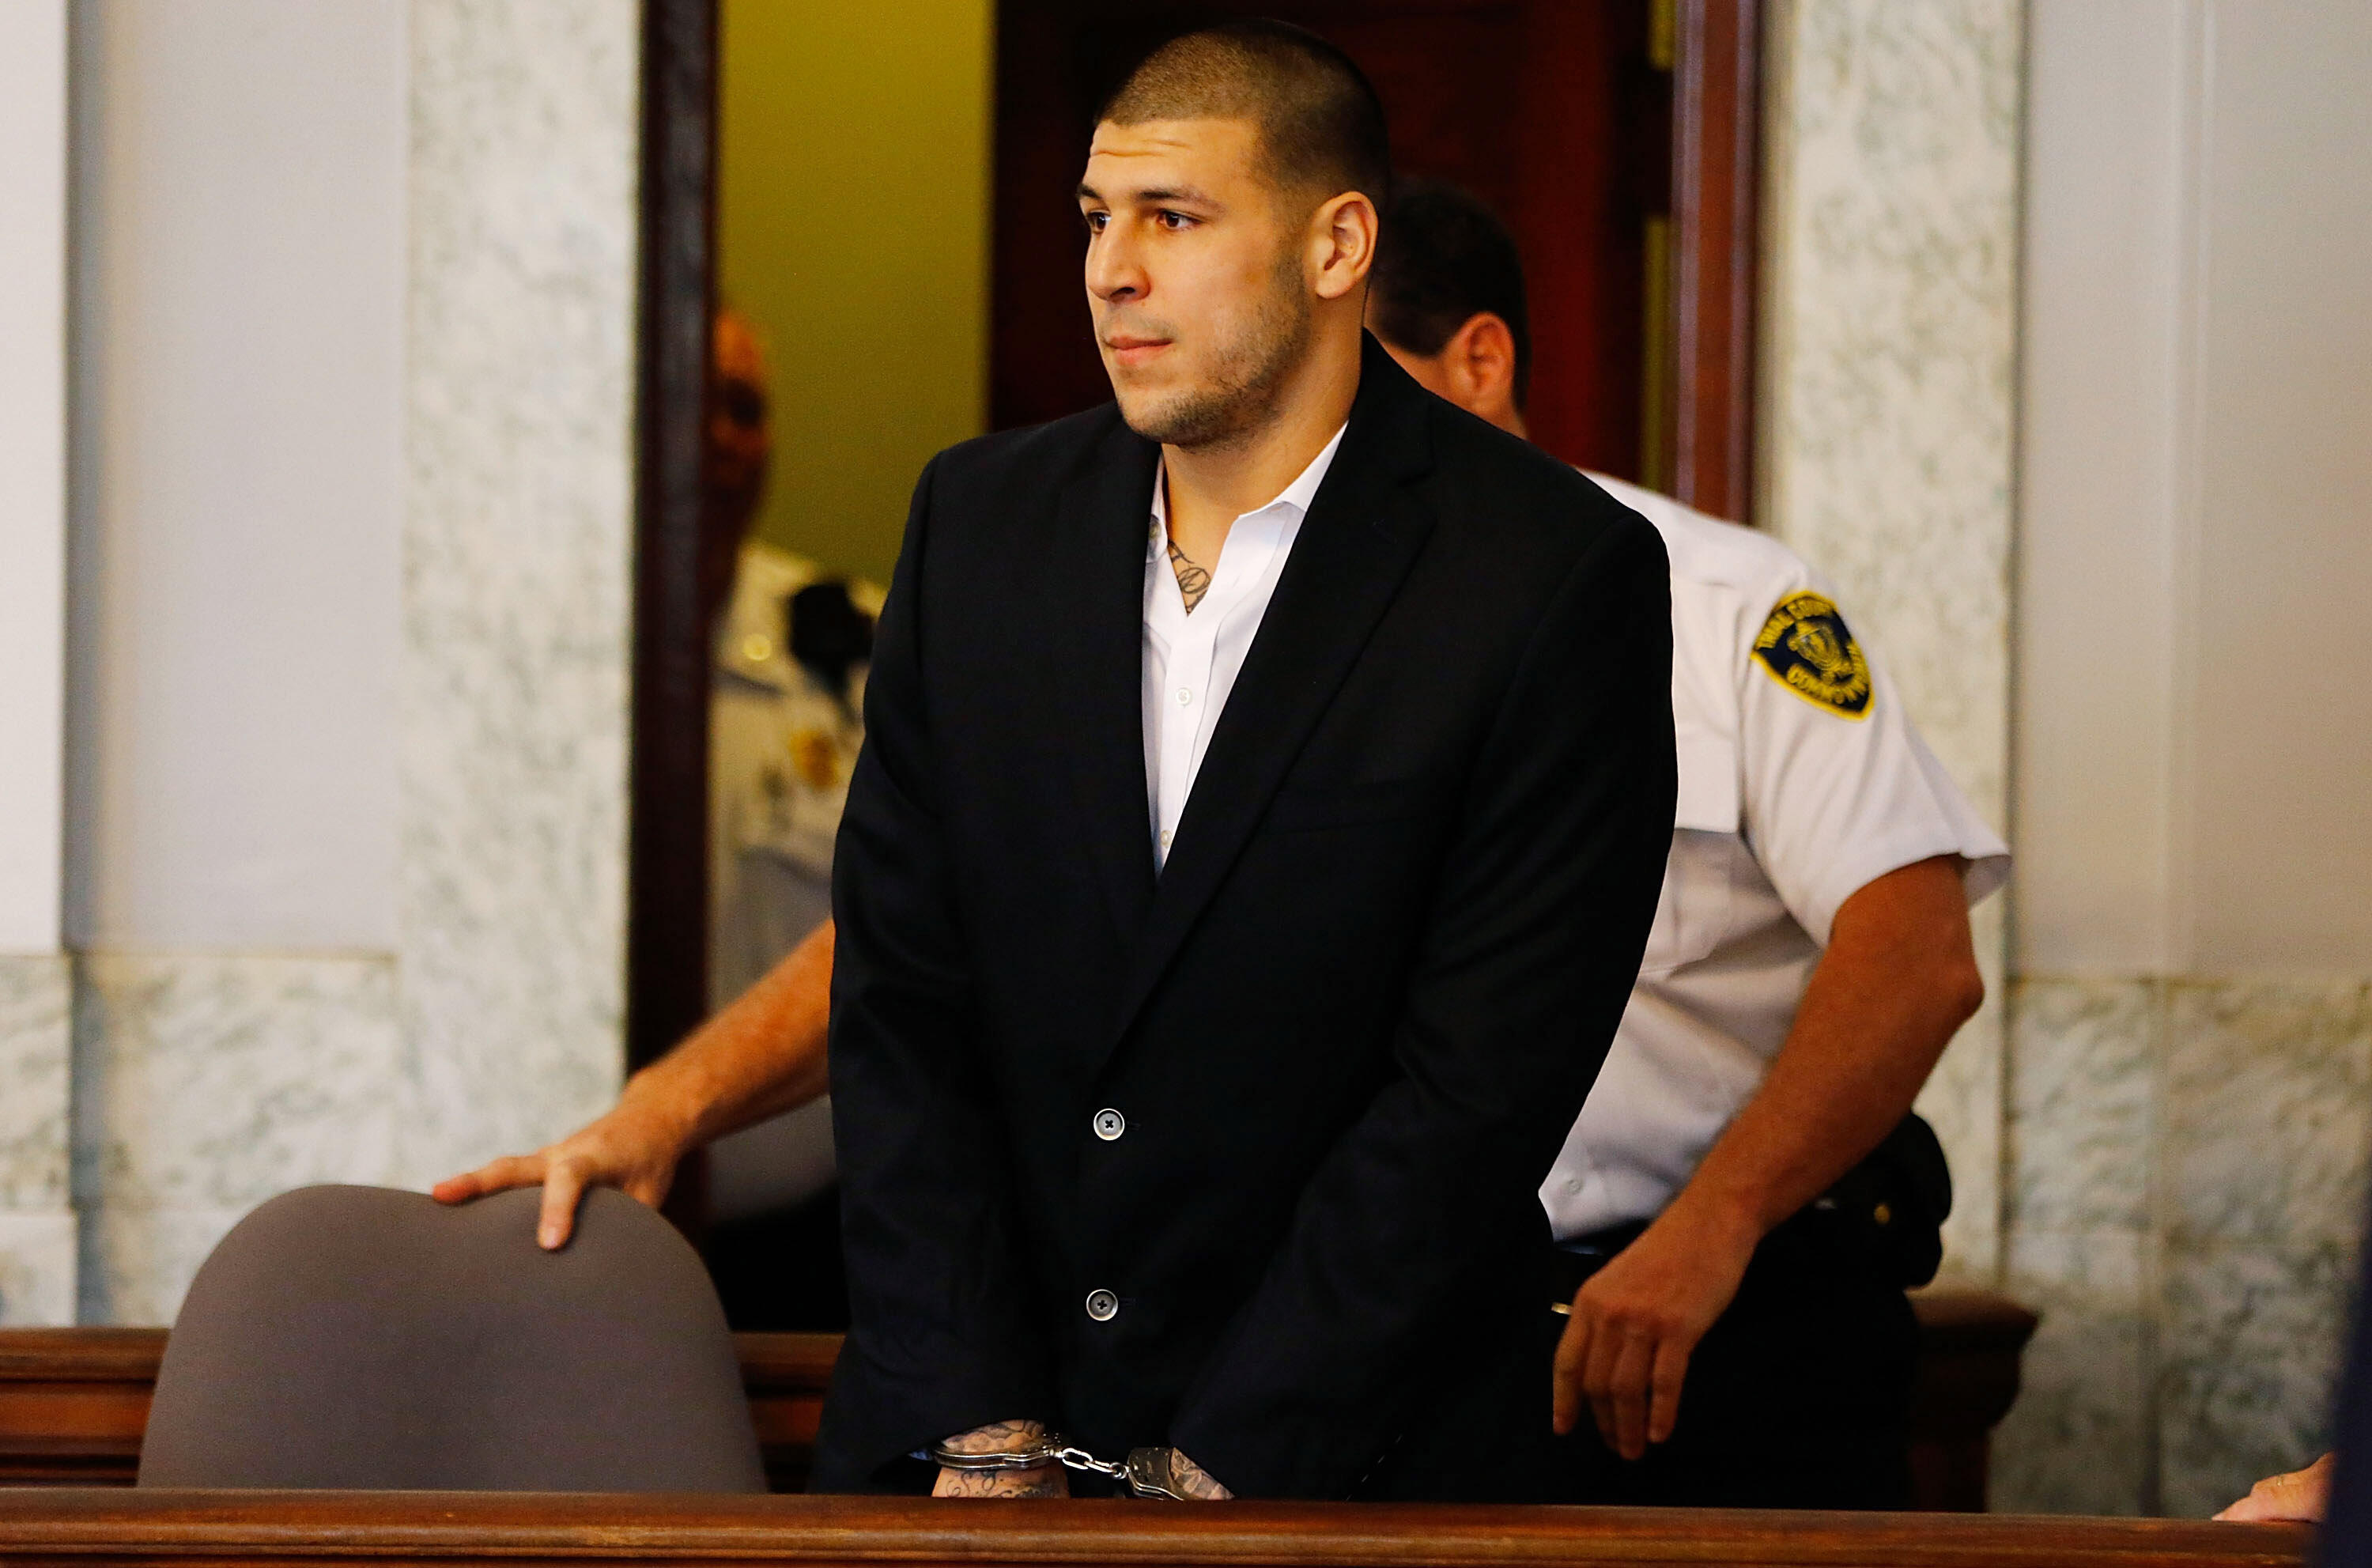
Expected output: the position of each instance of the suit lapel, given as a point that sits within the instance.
(1364, 528)
(1097, 583)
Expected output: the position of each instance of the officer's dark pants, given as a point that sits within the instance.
(1798, 1397)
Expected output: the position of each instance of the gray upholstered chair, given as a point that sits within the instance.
(358, 1337)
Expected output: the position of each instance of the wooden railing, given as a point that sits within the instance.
(101, 1526)
(74, 1402)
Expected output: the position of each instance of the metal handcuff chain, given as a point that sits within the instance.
(1148, 1472)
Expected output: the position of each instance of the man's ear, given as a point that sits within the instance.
(1481, 355)
(1478, 367)
(1343, 244)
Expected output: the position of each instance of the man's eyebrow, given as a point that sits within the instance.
(1154, 195)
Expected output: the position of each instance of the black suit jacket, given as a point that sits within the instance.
(1348, 1026)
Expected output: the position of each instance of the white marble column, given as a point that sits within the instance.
(1891, 226)
(519, 552)
(37, 1226)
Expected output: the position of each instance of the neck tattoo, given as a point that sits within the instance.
(1192, 581)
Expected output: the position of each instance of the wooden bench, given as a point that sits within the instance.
(74, 1402)
(293, 1529)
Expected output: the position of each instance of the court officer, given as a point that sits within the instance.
(1745, 1196)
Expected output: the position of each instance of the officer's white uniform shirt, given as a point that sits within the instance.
(1801, 781)
(781, 749)
(1190, 661)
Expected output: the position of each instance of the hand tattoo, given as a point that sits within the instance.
(998, 1437)
(1194, 1480)
(1047, 1481)
(1192, 581)
(1001, 1436)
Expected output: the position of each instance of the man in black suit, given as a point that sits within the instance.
(1267, 786)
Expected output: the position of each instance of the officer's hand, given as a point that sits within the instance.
(1637, 1322)
(635, 1148)
(2301, 1495)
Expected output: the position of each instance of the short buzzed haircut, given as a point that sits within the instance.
(1320, 123)
(1445, 259)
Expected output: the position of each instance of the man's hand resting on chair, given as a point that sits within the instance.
(760, 1057)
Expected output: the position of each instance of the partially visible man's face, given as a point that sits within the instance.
(1195, 277)
(738, 450)
(734, 458)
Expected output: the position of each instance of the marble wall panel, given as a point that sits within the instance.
(37, 1260)
(517, 546)
(2269, 1111)
(34, 991)
(2268, 1123)
(1893, 229)
(2082, 1066)
(2081, 1437)
(1889, 330)
(2218, 1132)
(2080, 1247)
(207, 1083)
(2252, 1342)
(37, 1226)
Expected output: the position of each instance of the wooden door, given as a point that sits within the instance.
(1559, 112)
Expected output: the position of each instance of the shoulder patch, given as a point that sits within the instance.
(1806, 647)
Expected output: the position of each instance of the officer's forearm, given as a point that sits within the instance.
(763, 1054)
(1898, 978)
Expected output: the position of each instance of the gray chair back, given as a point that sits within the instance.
(355, 1337)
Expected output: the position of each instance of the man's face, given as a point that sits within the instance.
(1195, 277)
(738, 450)
(735, 457)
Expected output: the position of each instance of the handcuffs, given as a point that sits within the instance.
(1148, 1472)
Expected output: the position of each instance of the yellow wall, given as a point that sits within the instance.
(853, 229)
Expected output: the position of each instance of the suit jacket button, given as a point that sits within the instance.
(1109, 1124)
(1102, 1306)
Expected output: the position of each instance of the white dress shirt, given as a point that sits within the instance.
(1191, 661)
(1796, 792)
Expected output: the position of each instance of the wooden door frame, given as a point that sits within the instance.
(666, 856)
(1716, 168)
(1717, 159)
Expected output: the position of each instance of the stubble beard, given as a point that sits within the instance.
(1247, 377)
